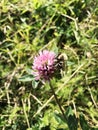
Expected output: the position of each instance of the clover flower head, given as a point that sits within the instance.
(44, 65)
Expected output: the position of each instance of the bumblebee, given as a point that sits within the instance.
(61, 64)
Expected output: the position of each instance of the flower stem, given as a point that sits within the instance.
(57, 101)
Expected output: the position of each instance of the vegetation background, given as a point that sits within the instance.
(69, 27)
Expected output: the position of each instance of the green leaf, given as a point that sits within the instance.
(69, 112)
(84, 124)
(26, 78)
(35, 84)
(59, 118)
(54, 47)
(72, 121)
(29, 71)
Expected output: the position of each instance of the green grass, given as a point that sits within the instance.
(69, 27)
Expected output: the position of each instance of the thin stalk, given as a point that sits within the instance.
(57, 101)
